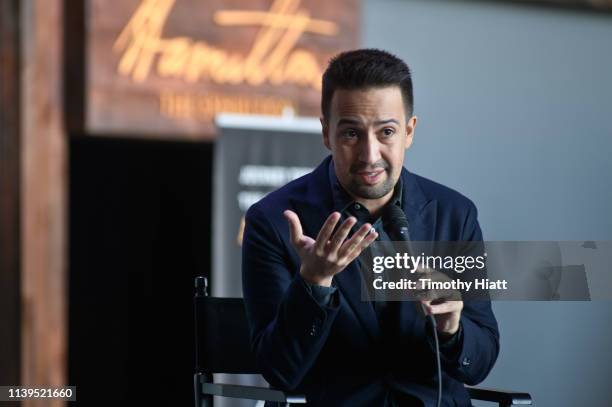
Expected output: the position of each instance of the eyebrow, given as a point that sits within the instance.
(377, 123)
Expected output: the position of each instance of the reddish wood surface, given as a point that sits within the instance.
(159, 94)
(43, 199)
(9, 194)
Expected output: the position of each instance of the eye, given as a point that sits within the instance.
(388, 131)
(349, 133)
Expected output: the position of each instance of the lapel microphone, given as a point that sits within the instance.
(396, 225)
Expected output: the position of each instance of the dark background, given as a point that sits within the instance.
(139, 233)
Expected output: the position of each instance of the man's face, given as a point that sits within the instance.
(368, 134)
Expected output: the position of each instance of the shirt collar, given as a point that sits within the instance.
(342, 199)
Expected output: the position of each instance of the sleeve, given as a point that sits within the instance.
(472, 356)
(322, 295)
(449, 347)
(289, 327)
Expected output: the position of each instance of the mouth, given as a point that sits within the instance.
(371, 177)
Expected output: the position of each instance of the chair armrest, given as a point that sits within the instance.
(503, 397)
(251, 393)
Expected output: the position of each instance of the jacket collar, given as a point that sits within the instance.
(319, 204)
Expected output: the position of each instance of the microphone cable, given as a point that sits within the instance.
(395, 222)
(432, 322)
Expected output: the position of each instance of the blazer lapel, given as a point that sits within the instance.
(421, 216)
(313, 212)
(419, 209)
(349, 281)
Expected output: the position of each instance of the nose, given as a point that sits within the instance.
(369, 149)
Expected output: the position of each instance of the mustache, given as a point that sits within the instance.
(361, 167)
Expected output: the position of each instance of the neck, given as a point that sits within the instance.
(374, 206)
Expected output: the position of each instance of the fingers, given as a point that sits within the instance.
(358, 242)
(338, 238)
(295, 227)
(330, 247)
(447, 315)
(326, 231)
(437, 295)
(444, 307)
(427, 295)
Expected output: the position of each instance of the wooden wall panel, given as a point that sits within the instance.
(165, 68)
(9, 193)
(43, 197)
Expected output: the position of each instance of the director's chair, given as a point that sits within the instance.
(222, 346)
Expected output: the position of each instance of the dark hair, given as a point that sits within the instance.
(362, 69)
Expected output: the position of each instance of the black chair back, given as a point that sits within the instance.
(222, 335)
(223, 346)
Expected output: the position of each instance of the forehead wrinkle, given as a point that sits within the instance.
(357, 122)
(367, 108)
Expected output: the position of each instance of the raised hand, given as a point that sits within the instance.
(330, 252)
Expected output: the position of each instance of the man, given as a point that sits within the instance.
(311, 331)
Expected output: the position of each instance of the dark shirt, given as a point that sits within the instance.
(347, 207)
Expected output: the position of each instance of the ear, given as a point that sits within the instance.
(410, 126)
(325, 130)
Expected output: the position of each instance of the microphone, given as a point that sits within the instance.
(396, 225)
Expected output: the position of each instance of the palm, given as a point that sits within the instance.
(311, 260)
(331, 251)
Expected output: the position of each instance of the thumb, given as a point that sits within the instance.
(295, 227)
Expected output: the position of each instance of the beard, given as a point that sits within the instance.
(358, 189)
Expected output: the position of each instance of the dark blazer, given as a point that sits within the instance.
(335, 354)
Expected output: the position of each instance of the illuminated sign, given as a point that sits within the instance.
(165, 68)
